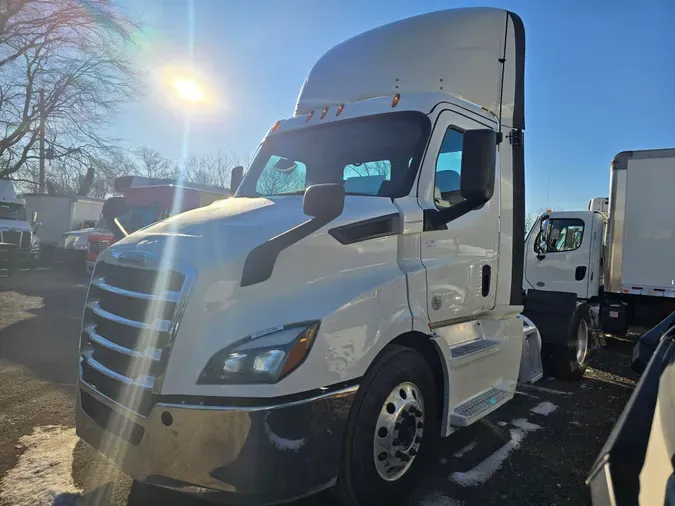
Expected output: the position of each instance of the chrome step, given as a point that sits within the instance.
(531, 367)
(476, 408)
(473, 348)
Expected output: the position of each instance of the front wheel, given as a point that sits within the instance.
(571, 358)
(390, 430)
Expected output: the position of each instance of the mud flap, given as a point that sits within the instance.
(552, 313)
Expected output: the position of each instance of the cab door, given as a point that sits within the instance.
(571, 260)
(460, 256)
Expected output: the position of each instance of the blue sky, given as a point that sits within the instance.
(599, 77)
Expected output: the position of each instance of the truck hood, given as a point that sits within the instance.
(222, 230)
(14, 225)
(310, 279)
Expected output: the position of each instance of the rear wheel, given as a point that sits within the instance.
(570, 359)
(390, 430)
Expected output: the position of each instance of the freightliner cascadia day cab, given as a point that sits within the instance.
(358, 298)
(619, 255)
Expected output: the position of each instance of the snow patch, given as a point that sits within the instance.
(42, 475)
(523, 424)
(283, 444)
(485, 469)
(545, 408)
(465, 450)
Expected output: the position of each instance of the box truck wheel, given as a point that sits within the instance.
(390, 430)
(571, 359)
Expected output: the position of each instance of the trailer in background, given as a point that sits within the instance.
(15, 228)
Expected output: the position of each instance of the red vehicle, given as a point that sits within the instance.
(145, 202)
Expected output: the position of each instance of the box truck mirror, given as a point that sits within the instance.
(544, 236)
(34, 218)
(235, 178)
(479, 153)
(324, 200)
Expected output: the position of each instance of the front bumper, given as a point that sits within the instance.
(242, 455)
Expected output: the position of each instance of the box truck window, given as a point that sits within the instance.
(566, 235)
(448, 169)
(371, 156)
(12, 212)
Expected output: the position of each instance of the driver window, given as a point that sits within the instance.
(566, 235)
(280, 176)
(448, 170)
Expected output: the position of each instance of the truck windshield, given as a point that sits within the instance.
(376, 156)
(139, 217)
(9, 211)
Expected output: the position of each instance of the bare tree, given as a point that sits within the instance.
(529, 221)
(150, 163)
(74, 51)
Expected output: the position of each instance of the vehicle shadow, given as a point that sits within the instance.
(40, 315)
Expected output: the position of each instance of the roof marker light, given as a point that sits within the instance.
(276, 125)
(309, 117)
(396, 100)
(340, 109)
(323, 113)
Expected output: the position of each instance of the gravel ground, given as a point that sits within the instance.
(536, 450)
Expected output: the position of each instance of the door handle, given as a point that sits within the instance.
(580, 273)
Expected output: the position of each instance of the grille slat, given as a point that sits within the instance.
(96, 247)
(126, 331)
(21, 240)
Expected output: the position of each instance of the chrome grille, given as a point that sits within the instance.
(20, 239)
(129, 315)
(95, 247)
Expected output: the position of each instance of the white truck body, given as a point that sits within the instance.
(417, 260)
(59, 214)
(641, 232)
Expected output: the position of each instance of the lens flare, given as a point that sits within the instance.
(189, 90)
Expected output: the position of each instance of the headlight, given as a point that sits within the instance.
(68, 243)
(263, 357)
(81, 242)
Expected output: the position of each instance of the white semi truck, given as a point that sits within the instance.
(14, 225)
(358, 298)
(619, 255)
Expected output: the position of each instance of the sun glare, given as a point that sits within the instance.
(189, 90)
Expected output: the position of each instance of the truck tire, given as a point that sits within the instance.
(570, 359)
(391, 429)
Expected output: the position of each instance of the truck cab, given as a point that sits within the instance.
(15, 229)
(572, 261)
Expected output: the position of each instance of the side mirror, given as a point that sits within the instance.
(112, 208)
(479, 155)
(324, 200)
(235, 179)
(34, 218)
(544, 236)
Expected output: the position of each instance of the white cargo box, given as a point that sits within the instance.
(641, 235)
(60, 214)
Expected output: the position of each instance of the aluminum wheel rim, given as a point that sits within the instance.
(582, 341)
(399, 431)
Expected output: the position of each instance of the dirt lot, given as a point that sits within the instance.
(536, 450)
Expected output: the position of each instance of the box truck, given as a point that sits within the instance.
(619, 255)
(358, 298)
(59, 214)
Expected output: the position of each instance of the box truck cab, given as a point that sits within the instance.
(358, 298)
